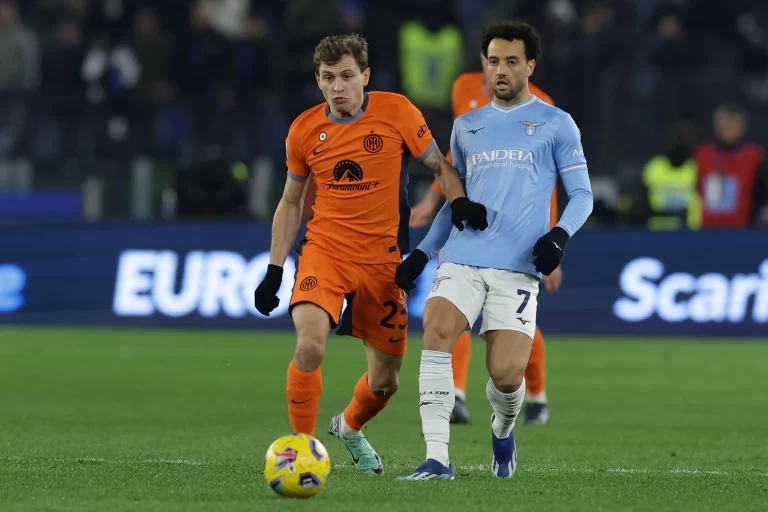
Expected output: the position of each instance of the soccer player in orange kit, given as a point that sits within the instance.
(356, 147)
(470, 92)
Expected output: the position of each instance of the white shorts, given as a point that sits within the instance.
(507, 299)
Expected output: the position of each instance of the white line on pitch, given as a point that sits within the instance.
(396, 467)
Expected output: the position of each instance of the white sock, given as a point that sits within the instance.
(346, 430)
(506, 406)
(460, 394)
(538, 398)
(436, 398)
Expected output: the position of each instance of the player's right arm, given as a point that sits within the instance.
(412, 267)
(287, 219)
(442, 225)
(421, 212)
(285, 224)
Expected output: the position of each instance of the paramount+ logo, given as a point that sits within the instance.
(348, 175)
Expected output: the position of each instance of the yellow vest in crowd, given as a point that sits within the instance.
(672, 189)
(429, 63)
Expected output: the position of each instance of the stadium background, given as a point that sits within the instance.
(141, 159)
(123, 124)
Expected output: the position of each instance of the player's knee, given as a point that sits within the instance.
(309, 354)
(385, 387)
(507, 376)
(310, 349)
(312, 326)
(439, 333)
(437, 338)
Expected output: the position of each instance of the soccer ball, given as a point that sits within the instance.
(297, 466)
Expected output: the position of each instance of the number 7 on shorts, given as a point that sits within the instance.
(527, 296)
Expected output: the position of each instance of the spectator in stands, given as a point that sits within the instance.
(110, 69)
(19, 52)
(732, 173)
(63, 54)
(670, 201)
(153, 51)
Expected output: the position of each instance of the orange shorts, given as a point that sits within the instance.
(376, 310)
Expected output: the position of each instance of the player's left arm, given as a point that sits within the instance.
(446, 175)
(572, 168)
(423, 147)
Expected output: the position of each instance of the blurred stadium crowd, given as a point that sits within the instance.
(89, 86)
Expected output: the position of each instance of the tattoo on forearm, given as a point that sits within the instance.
(435, 162)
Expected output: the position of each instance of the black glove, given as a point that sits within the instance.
(265, 297)
(410, 269)
(474, 213)
(548, 251)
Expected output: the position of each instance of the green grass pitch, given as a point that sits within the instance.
(113, 420)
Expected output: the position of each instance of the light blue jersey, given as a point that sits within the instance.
(509, 159)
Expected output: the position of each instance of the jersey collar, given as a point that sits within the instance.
(350, 119)
(514, 107)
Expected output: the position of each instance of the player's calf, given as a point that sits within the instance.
(304, 383)
(506, 371)
(443, 323)
(506, 358)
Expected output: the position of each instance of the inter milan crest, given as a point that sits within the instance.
(530, 127)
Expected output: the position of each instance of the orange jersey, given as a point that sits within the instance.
(359, 167)
(469, 93)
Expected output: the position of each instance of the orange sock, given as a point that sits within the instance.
(364, 405)
(535, 372)
(461, 354)
(303, 395)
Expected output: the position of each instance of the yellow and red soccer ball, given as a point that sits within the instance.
(297, 466)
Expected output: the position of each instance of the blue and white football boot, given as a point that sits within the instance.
(504, 459)
(430, 470)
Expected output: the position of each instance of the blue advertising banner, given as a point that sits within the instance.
(203, 275)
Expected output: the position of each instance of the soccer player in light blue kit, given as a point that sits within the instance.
(509, 153)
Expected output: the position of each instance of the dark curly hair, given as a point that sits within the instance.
(511, 30)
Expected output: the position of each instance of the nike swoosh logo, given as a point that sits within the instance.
(475, 131)
(355, 460)
(395, 341)
(316, 152)
(302, 402)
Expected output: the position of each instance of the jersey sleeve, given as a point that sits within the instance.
(295, 160)
(568, 153)
(415, 132)
(438, 233)
(572, 167)
(457, 153)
